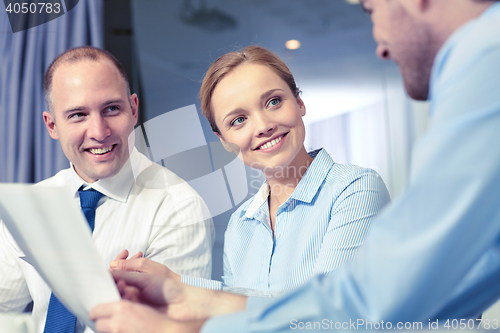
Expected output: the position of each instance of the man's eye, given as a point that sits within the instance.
(237, 121)
(111, 108)
(76, 115)
(274, 101)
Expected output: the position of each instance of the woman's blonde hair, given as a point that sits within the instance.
(229, 61)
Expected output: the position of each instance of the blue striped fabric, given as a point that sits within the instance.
(317, 229)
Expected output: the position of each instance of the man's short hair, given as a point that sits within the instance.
(75, 55)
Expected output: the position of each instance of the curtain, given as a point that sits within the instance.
(27, 153)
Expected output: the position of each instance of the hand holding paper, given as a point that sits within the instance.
(53, 234)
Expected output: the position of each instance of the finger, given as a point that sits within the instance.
(149, 287)
(121, 285)
(131, 294)
(102, 310)
(109, 317)
(122, 255)
(134, 265)
(137, 255)
(116, 265)
(127, 292)
(103, 325)
(134, 279)
(127, 264)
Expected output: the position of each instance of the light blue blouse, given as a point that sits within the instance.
(319, 227)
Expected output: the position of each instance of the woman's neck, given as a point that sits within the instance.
(283, 181)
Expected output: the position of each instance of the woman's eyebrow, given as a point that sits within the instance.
(235, 111)
(269, 93)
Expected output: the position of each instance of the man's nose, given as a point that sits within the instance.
(98, 128)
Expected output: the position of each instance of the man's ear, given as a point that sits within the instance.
(415, 6)
(134, 104)
(50, 122)
(423, 4)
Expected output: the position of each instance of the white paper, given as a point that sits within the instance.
(53, 233)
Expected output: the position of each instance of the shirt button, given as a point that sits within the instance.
(278, 235)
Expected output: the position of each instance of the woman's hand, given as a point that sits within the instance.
(137, 263)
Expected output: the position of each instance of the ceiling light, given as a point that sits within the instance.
(353, 2)
(292, 44)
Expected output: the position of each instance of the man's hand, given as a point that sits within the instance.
(128, 317)
(137, 263)
(176, 300)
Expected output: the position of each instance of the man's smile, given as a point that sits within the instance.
(100, 151)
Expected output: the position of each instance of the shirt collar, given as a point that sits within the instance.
(314, 177)
(258, 200)
(116, 187)
(306, 189)
(446, 48)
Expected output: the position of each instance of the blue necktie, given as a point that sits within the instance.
(59, 319)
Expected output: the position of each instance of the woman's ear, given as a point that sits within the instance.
(227, 146)
(302, 106)
(230, 147)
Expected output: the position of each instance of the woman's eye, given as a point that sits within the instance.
(237, 121)
(274, 102)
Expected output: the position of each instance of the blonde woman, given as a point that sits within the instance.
(310, 215)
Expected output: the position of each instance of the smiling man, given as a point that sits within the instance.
(433, 254)
(141, 206)
(92, 115)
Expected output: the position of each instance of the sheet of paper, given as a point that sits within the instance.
(53, 233)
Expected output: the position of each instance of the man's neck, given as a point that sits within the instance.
(457, 13)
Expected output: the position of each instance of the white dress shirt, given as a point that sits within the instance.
(145, 208)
